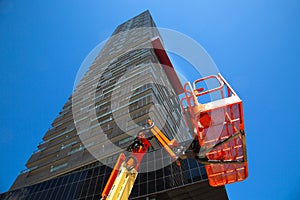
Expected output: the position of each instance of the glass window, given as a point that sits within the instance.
(167, 182)
(79, 189)
(60, 192)
(92, 186)
(59, 181)
(71, 190)
(143, 189)
(151, 175)
(65, 179)
(38, 187)
(134, 191)
(53, 193)
(159, 173)
(99, 185)
(38, 195)
(159, 184)
(143, 177)
(54, 168)
(82, 175)
(66, 191)
(89, 173)
(46, 185)
(195, 174)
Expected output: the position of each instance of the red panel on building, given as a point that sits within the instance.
(167, 65)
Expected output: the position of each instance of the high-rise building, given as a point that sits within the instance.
(129, 81)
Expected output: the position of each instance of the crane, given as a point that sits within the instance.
(224, 155)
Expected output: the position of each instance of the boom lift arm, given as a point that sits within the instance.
(122, 178)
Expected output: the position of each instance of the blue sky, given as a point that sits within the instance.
(255, 45)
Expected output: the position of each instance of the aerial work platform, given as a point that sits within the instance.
(219, 142)
(219, 128)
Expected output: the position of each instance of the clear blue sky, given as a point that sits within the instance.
(255, 45)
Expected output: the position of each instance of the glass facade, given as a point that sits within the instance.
(88, 183)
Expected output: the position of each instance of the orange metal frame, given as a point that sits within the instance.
(225, 155)
(113, 176)
(164, 141)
